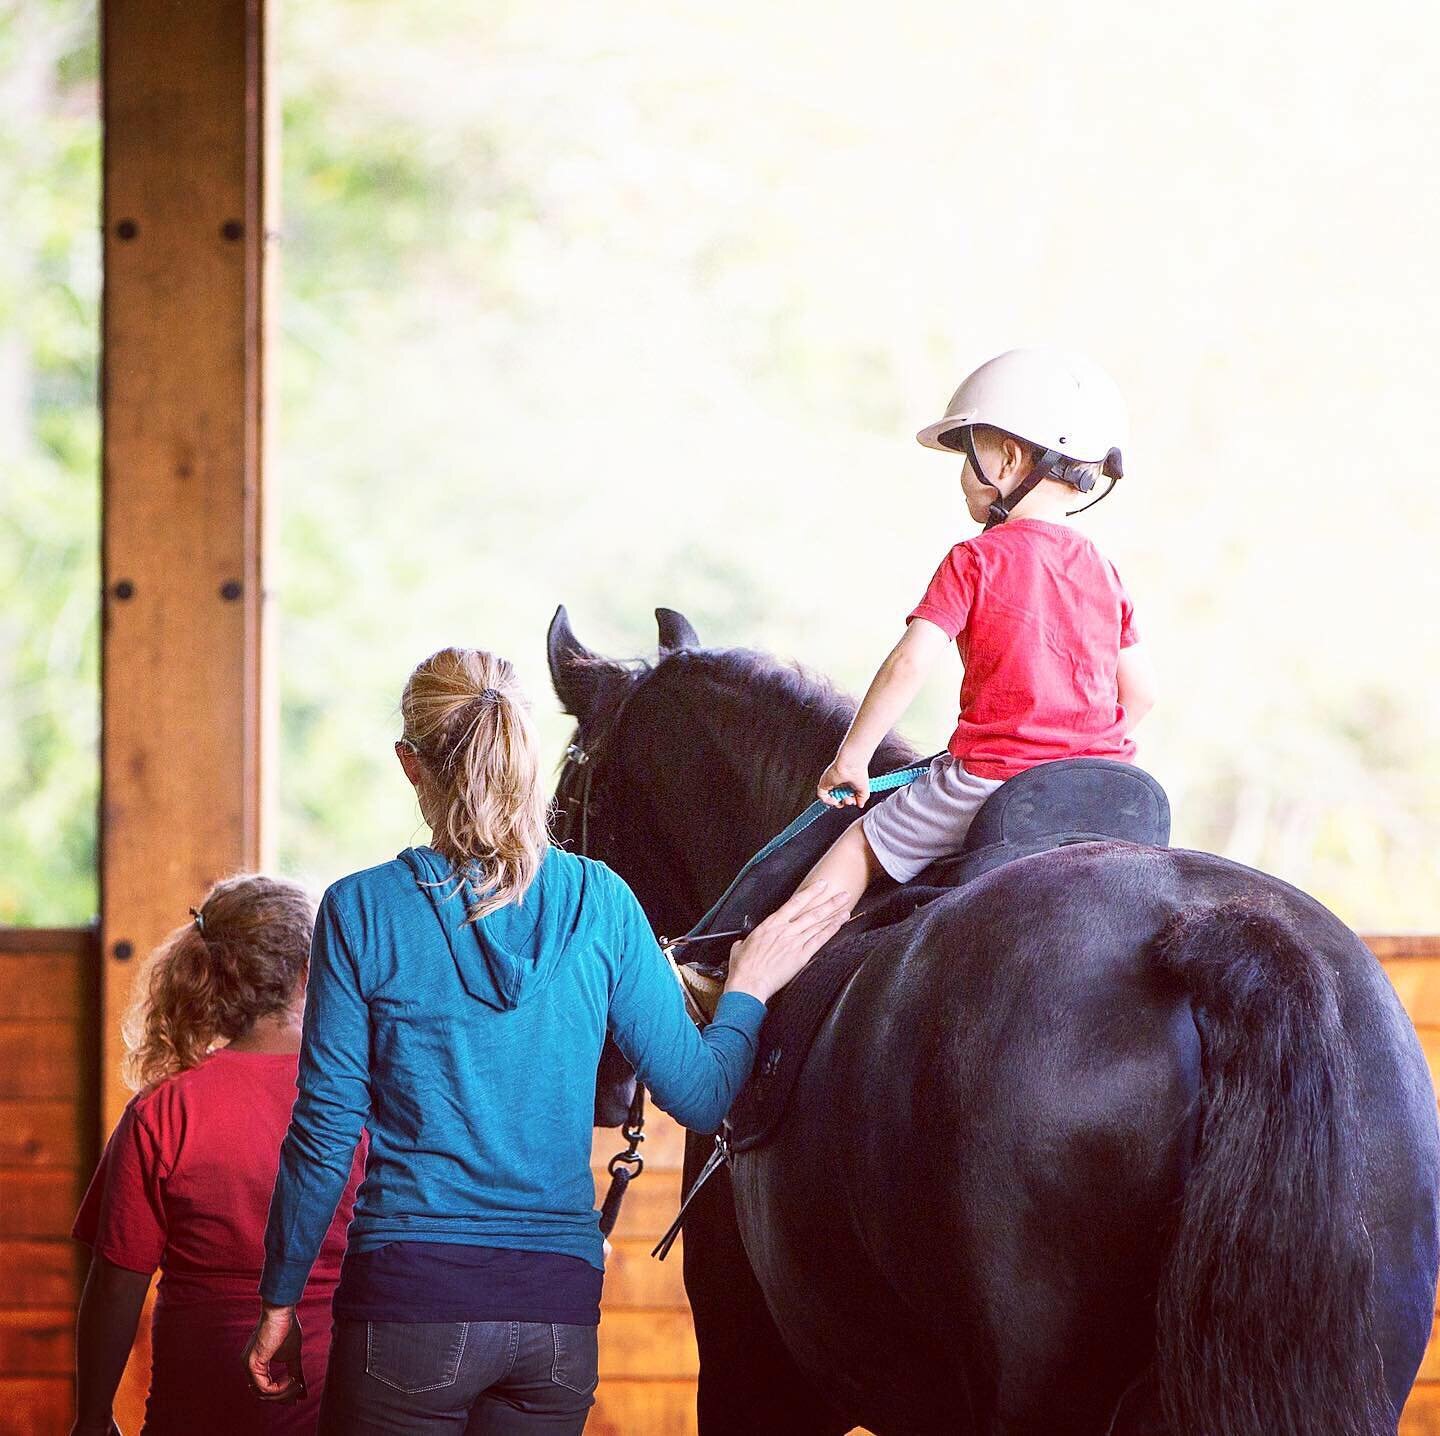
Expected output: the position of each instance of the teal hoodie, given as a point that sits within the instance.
(469, 1052)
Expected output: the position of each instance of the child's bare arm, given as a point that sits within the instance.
(1135, 679)
(110, 1309)
(891, 692)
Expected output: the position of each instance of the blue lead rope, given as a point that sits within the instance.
(883, 784)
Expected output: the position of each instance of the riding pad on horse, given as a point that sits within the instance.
(1070, 801)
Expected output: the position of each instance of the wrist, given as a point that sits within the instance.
(750, 988)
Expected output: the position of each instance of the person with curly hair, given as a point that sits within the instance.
(184, 1184)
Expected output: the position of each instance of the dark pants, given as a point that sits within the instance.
(483, 1378)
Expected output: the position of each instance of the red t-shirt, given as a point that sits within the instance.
(1039, 617)
(184, 1185)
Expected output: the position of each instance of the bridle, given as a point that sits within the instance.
(626, 1164)
(577, 760)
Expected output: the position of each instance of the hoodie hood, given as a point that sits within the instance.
(511, 954)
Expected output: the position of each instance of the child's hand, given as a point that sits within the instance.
(845, 772)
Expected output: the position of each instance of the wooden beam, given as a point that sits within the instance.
(1405, 947)
(188, 206)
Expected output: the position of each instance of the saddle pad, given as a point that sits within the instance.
(791, 1023)
(796, 1012)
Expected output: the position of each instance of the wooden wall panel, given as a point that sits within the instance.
(42, 1133)
(1413, 966)
(1422, 1412)
(643, 1408)
(38, 1204)
(49, 986)
(187, 212)
(36, 1406)
(37, 1341)
(648, 1359)
(41, 1059)
(44, 1272)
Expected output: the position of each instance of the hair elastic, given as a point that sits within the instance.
(199, 920)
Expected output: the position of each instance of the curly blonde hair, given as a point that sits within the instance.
(469, 723)
(241, 958)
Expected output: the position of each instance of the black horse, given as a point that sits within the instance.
(1115, 1140)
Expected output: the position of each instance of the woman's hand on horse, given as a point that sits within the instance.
(845, 772)
(276, 1338)
(781, 945)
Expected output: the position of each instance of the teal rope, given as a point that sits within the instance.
(898, 779)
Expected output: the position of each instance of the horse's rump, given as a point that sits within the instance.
(1025, 1063)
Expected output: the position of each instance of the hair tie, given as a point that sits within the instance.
(199, 920)
(489, 695)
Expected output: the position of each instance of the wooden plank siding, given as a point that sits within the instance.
(1413, 966)
(49, 1124)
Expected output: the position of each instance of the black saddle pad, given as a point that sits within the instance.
(1059, 804)
(794, 1017)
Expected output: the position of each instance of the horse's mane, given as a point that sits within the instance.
(779, 722)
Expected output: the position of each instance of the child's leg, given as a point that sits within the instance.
(905, 834)
(850, 865)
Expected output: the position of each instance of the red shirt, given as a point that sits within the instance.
(1039, 617)
(184, 1185)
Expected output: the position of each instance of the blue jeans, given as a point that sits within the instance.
(482, 1378)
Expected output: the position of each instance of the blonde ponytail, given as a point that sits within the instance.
(240, 959)
(467, 720)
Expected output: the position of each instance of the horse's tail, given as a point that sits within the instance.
(1265, 1313)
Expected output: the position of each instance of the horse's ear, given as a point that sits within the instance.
(675, 631)
(577, 674)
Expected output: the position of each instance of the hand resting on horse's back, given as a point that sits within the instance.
(781, 945)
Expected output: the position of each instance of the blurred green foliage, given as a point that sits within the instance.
(49, 461)
(625, 306)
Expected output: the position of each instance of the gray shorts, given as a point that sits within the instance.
(926, 820)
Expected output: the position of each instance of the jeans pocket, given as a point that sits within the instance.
(415, 1356)
(577, 1357)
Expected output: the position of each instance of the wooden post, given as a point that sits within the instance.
(189, 167)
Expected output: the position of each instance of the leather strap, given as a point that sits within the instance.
(1001, 508)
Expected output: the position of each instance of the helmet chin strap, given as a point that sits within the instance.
(1005, 504)
(961, 439)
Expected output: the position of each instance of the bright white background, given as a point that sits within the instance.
(669, 288)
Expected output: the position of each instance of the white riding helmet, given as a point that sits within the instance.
(1052, 397)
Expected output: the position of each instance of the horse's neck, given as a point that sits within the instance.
(776, 792)
(760, 790)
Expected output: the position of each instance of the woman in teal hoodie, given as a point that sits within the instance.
(458, 1000)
